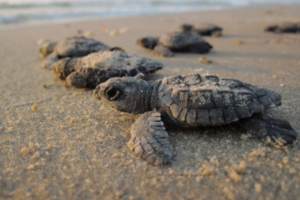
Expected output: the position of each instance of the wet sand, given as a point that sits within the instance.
(72, 146)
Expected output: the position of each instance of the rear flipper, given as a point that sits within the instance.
(63, 67)
(163, 51)
(49, 60)
(90, 77)
(149, 140)
(264, 126)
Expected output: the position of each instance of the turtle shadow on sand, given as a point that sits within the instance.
(255, 55)
(197, 137)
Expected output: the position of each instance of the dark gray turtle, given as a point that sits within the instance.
(191, 101)
(203, 29)
(168, 43)
(76, 46)
(284, 28)
(96, 68)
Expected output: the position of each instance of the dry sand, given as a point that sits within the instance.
(62, 143)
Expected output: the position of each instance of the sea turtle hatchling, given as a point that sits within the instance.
(168, 43)
(191, 101)
(284, 28)
(95, 68)
(204, 29)
(76, 46)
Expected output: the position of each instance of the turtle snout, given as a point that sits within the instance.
(97, 92)
(186, 27)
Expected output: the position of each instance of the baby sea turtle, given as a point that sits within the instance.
(284, 28)
(76, 46)
(188, 102)
(203, 29)
(96, 68)
(168, 43)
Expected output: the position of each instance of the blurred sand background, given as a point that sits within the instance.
(74, 147)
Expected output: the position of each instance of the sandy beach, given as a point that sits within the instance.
(72, 146)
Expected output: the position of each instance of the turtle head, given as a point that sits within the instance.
(186, 27)
(122, 94)
(147, 42)
(47, 48)
(271, 28)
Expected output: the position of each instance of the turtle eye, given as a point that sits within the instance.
(112, 93)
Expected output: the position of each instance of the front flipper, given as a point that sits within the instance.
(163, 51)
(139, 76)
(90, 77)
(264, 126)
(49, 60)
(149, 140)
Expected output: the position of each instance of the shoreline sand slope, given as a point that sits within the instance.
(72, 146)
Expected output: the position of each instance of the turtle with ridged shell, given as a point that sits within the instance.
(187, 102)
(167, 44)
(95, 68)
(203, 29)
(76, 46)
(284, 27)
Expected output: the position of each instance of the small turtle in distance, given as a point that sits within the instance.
(284, 28)
(95, 68)
(167, 44)
(203, 29)
(76, 46)
(188, 102)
